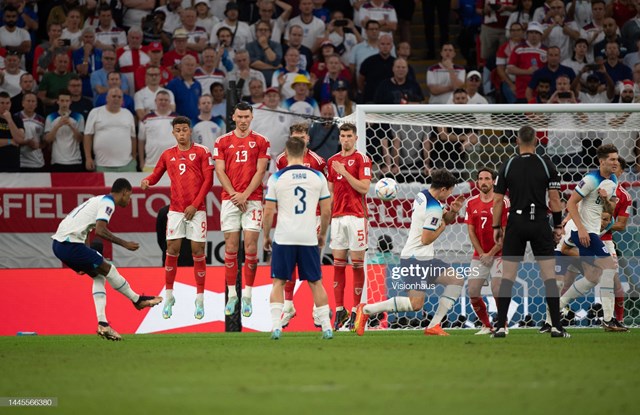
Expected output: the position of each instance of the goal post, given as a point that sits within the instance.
(406, 141)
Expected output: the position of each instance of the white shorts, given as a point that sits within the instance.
(349, 232)
(479, 271)
(233, 220)
(194, 230)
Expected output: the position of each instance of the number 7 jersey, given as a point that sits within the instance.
(240, 156)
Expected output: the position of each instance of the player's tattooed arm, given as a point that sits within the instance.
(103, 232)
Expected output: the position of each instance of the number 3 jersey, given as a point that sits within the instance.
(240, 156)
(188, 170)
(297, 191)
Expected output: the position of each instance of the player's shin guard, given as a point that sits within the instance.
(276, 312)
(250, 267)
(118, 283)
(447, 300)
(358, 281)
(200, 272)
(170, 270)
(618, 307)
(339, 268)
(394, 304)
(231, 271)
(504, 300)
(553, 303)
(606, 293)
(100, 297)
(480, 309)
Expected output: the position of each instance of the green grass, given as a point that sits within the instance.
(382, 373)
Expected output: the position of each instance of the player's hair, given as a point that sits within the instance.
(623, 163)
(120, 184)
(28, 93)
(10, 8)
(348, 127)
(488, 170)
(163, 92)
(181, 120)
(295, 147)
(243, 106)
(460, 91)
(64, 92)
(604, 150)
(4, 94)
(370, 22)
(299, 127)
(443, 178)
(527, 135)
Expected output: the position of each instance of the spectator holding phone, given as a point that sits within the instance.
(551, 71)
(44, 52)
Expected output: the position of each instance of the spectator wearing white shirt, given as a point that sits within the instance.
(444, 77)
(31, 157)
(474, 81)
(312, 26)
(155, 133)
(560, 31)
(266, 10)
(145, 99)
(198, 37)
(242, 74)
(380, 11)
(594, 30)
(14, 38)
(271, 120)
(209, 72)
(205, 18)
(241, 29)
(63, 128)
(209, 127)
(110, 134)
(108, 35)
(343, 41)
(10, 77)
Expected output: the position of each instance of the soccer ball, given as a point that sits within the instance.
(609, 186)
(386, 189)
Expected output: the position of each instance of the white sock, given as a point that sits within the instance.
(288, 306)
(447, 300)
(606, 293)
(578, 289)
(100, 297)
(168, 294)
(118, 283)
(232, 291)
(394, 304)
(323, 315)
(276, 313)
(339, 308)
(246, 292)
(200, 297)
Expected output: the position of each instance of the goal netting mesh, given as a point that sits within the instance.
(407, 141)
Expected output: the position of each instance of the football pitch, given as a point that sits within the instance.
(381, 373)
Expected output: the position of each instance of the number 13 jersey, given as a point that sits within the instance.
(240, 156)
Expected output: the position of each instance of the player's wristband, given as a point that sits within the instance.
(557, 219)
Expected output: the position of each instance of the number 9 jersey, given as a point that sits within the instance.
(240, 156)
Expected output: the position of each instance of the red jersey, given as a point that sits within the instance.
(311, 160)
(191, 174)
(172, 58)
(621, 210)
(240, 156)
(480, 215)
(346, 200)
(524, 56)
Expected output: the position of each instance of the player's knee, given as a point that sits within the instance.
(416, 303)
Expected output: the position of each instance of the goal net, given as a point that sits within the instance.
(405, 142)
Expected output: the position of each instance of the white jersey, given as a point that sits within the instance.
(81, 220)
(297, 191)
(427, 214)
(590, 207)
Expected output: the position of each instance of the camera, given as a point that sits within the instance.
(564, 95)
(341, 23)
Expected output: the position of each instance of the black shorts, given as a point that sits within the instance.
(521, 230)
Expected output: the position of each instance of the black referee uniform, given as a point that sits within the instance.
(528, 178)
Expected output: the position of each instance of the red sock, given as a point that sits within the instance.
(200, 272)
(358, 281)
(250, 267)
(481, 310)
(289, 286)
(231, 268)
(170, 270)
(339, 267)
(618, 305)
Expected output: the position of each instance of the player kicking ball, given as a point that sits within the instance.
(428, 221)
(190, 168)
(69, 246)
(295, 192)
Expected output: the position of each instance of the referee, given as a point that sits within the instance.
(529, 178)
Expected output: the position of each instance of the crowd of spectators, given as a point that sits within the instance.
(74, 71)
